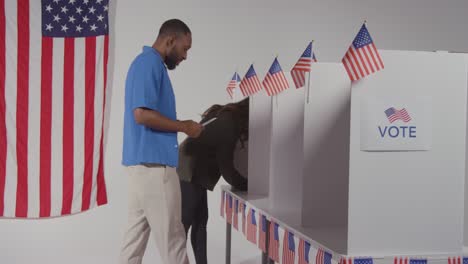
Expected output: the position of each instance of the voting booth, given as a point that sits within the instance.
(374, 168)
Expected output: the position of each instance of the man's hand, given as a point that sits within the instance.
(191, 128)
(155, 120)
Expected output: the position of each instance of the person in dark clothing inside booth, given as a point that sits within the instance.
(221, 150)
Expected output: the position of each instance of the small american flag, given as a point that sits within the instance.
(362, 57)
(275, 81)
(221, 210)
(323, 257)
(273, 247)
(302, 66)
(394, 115)
(303, 251)
(251, 227)
(229, 209)
(243, 209)
(262, 235)
(235, 221)
(250, 84)
(233, 84)
(289, 248)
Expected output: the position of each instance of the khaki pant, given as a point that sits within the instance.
(154, 205)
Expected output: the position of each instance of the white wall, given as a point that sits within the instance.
(226, 35)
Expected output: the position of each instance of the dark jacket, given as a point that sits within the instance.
(204, 159)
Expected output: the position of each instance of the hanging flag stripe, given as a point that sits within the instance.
(22, 102)
(3, 132)
(68, 123)
(101, 184)
(11, 44)
(89, 117)
(46, 126)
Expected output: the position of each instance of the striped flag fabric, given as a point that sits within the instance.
(362, 57)
(232, 85)
(400, 260)
(303, 252)
(394, 114)
(324, 257)
(251, 226)
(356, 261)
(303, 66)
(250, 84)
(454, 260)
(244, 226)
(275, 81)
(235, 220)
(273, 245)
(289, 248)
(262, 233)
(222, 209)
(406, 260)
(229, 209)
(458, 260)
(53, 74)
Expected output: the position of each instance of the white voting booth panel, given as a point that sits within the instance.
(326, 156)
(286, 149)
(411, 202)
(399, 202)
(372, 199)
(259, 143)
(276, 129)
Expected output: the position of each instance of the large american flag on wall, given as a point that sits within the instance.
(53, 72)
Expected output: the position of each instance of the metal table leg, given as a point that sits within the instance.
(228, 243)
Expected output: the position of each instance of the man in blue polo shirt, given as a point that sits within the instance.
(150, 148)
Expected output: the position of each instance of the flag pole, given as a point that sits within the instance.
(251, 97)
(235, 92)
(276, 95)
(308, 78)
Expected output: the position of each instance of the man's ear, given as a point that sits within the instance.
(171, 40)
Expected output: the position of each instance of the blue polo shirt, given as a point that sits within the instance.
(148, 86)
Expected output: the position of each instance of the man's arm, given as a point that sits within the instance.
(157, 121)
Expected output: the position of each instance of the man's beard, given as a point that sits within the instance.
(171, 60)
